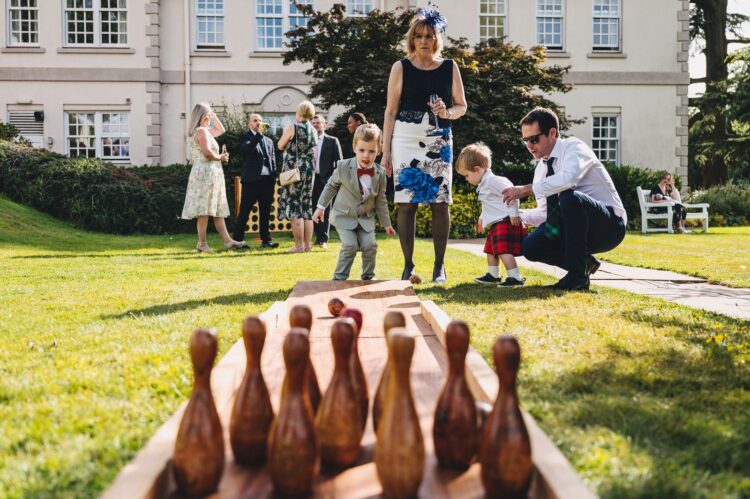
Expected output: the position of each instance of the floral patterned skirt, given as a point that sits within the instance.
(422, 164)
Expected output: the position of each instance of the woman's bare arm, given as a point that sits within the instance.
(286, 137)
(395, 82)
(201, 137)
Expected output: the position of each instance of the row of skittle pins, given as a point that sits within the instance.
(309, 429)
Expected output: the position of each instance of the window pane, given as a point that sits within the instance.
(491, 19)
(24, 25)
(115, 136)
(210, 23)
(606, 137)
(114, 17)
(359, 7)
(81, 135)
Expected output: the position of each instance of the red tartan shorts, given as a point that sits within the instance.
(504, 237)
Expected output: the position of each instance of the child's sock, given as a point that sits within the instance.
(514, 273)
(493, 271)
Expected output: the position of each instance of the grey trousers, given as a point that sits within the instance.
(353, 240)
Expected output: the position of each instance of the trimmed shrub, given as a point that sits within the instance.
(730, 203)
(95, 195)
(626, 179)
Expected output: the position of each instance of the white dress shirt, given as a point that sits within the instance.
(318, 146)
(489, 192)
(576, 167)
(365, 181)
(262, 143)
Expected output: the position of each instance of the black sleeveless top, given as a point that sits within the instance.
(418, 85)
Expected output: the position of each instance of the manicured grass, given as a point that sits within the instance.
(646, 398)
(722, 255)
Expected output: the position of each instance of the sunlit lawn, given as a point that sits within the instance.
(722, 255)
(645, 398)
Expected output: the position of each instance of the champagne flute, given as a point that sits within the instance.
(224, 151)
(436, 130)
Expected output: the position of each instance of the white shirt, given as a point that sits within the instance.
(264, 170)
(489, 192)
(576, 167)
(318, 146)
(365, 181)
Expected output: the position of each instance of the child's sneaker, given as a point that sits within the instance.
(488, 279)
(512, 281)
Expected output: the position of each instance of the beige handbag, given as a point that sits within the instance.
(292, 176)
(289, 177)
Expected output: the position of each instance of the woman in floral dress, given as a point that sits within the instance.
(295, 201)
(206, 194)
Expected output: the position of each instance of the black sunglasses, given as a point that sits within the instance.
(534, 139)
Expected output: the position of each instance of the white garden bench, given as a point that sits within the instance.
(664, 212)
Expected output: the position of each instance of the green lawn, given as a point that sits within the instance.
(645, 398)
(722, 255)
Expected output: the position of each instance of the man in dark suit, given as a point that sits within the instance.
(327, 153)
(258, 180)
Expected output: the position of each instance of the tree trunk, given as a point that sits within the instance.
(715, 32)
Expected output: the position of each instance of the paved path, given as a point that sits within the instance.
(670, 286)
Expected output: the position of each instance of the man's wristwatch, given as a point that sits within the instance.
(450, 113)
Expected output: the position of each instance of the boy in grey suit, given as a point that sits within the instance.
(359, 187)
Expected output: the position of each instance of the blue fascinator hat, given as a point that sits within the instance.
(434, 18)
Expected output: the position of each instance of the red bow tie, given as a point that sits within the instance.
(366, 171)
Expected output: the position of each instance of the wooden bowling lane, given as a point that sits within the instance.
(150, 474)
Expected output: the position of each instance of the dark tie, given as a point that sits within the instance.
(553, 224)
(366, 171)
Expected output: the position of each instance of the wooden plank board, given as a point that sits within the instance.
(150, 474)
(555, 476)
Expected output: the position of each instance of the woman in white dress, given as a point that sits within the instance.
(206, 194)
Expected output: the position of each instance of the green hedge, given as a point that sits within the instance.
(95, 195)
(100, 196)
(730, 203)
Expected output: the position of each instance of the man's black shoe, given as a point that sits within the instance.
(593, 265)
(269, 244)
(512, 281)
(568, 283)
(488, 279)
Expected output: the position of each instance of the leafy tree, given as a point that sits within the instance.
(7, 131)
(712, 129)
(350, 60)
(502, 83)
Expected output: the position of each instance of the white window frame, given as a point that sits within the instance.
(352, 5)
(608, 18)
(31, 10)
(97, 11)
(555, 17)
(278, 120)
(616, 138)
(503, 15)
(196, 26)
(99, 134)
(285, 16)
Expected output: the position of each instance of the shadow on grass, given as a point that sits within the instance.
(235, 299)
(167, 255)
(474, 293)
(686, 410)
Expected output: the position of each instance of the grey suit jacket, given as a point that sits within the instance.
(350, 209)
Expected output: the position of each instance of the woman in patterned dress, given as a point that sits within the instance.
(295, 201)
(206, 194)
(417, 151)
